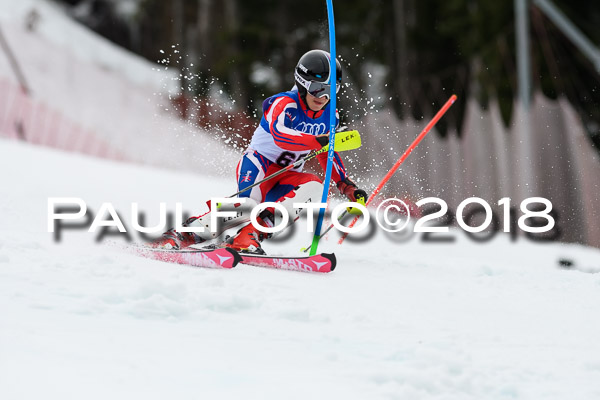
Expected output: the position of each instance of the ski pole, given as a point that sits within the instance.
(281, 171)
(349, 140)
(414, 144)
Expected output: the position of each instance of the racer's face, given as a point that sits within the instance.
(315, 103)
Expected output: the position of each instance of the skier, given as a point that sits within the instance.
(293, 124)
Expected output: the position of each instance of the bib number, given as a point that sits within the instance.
(286, 158)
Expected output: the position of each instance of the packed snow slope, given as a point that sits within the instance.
(77, 77)
(395, 320)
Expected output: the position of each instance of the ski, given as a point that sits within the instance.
(223, 257)
(324, 262)
(214, 256)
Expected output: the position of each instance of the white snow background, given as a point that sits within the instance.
(395, 320)
(409, 320)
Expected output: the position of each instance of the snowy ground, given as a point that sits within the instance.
(394, 321)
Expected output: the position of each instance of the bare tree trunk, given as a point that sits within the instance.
(290, 52)
(204, 18)
(401, 56)
(236, 80)
(178, 29)
(196, 38)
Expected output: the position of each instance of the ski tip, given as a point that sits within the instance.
(236, 256)
(331, 258)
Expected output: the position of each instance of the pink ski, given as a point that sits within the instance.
(317, 263)
(217, 258)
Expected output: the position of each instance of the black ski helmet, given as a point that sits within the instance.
(312, 74)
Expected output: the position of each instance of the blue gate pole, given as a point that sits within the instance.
(332, 126)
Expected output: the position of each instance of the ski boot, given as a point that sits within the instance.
(173, 240)
(248, 239)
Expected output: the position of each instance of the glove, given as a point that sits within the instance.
(349, 189)
(323, 140)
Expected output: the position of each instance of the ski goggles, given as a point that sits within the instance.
(316, 89)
